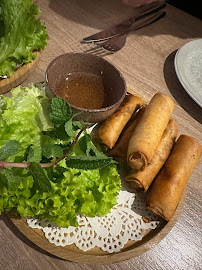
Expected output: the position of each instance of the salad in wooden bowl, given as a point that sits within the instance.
(22, 36)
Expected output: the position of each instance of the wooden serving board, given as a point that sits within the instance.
(96, 255)
(19, 75)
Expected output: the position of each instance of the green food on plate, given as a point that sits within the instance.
(21, 33)
(40, 181)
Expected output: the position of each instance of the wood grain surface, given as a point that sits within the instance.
(146, 63)
(19, 75)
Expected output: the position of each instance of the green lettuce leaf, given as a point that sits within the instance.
(22, 118)
(72, 192)
(56, 193)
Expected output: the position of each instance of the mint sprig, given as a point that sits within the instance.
(10, 179)
(65, 128)
(60, 111)
(87, 146)
(41, 180)
(88, 162)
(62, 118)
(52, 151)
(10, 148)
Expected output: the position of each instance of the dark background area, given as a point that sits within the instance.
(192, 7)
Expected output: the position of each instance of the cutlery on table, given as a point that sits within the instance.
(118, 42)
(141, 13)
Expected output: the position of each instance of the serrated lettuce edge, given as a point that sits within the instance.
(89, 193)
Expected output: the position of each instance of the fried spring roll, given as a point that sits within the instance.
(169, 185)
(119, 152)
(149, 131)
(143, 179)
(111, 129)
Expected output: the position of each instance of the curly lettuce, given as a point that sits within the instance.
(21, 33)
(90, 193)
(70, 191)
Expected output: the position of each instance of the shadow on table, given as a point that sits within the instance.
(90, 12)
(102, 14)
(23, 238)
(178, 92)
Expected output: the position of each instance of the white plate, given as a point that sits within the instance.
(188, 67)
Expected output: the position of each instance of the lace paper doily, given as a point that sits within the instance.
(110, 233)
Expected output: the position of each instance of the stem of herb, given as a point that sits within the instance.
(5, 164)
(70, 148)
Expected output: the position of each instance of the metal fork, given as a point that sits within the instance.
(117, 43)
(140, 14)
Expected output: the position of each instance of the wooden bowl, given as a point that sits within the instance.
(112, 80)
(19, 75)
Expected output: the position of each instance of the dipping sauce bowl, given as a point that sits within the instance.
(92, 86)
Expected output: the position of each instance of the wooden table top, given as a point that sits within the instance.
(147, 63)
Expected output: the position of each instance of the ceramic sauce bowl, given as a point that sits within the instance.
(92, 86)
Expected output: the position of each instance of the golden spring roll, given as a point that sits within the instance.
(169, 185)
(119, 152)
(149, 131)
(143, 179)
(111, 129)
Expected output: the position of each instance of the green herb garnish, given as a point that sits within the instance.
(47, 169)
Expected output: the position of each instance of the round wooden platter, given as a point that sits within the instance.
(96, 255)
(19, 75)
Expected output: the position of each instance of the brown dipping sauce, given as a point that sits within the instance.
(82, 90)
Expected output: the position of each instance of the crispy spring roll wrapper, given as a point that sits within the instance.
(111, 129)
(149, 131)
(143, 179)
(119, 152)
(169, 185)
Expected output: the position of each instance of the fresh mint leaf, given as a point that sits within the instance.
(40, 178)
(88, 162)
(3, 179)
(57, 151)
(84, 142)
(10, 148)
(57, 133)
(52, 150)
(10, 180)
(89, 148)
(60, 111)
(77, 124)
(30, 152)
(69, 128)
(34, 153)
(47, 150)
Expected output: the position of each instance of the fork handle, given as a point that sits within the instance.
(134, 19)
(125, 25)
(151, 20)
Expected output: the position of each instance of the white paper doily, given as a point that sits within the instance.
(110, 233)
